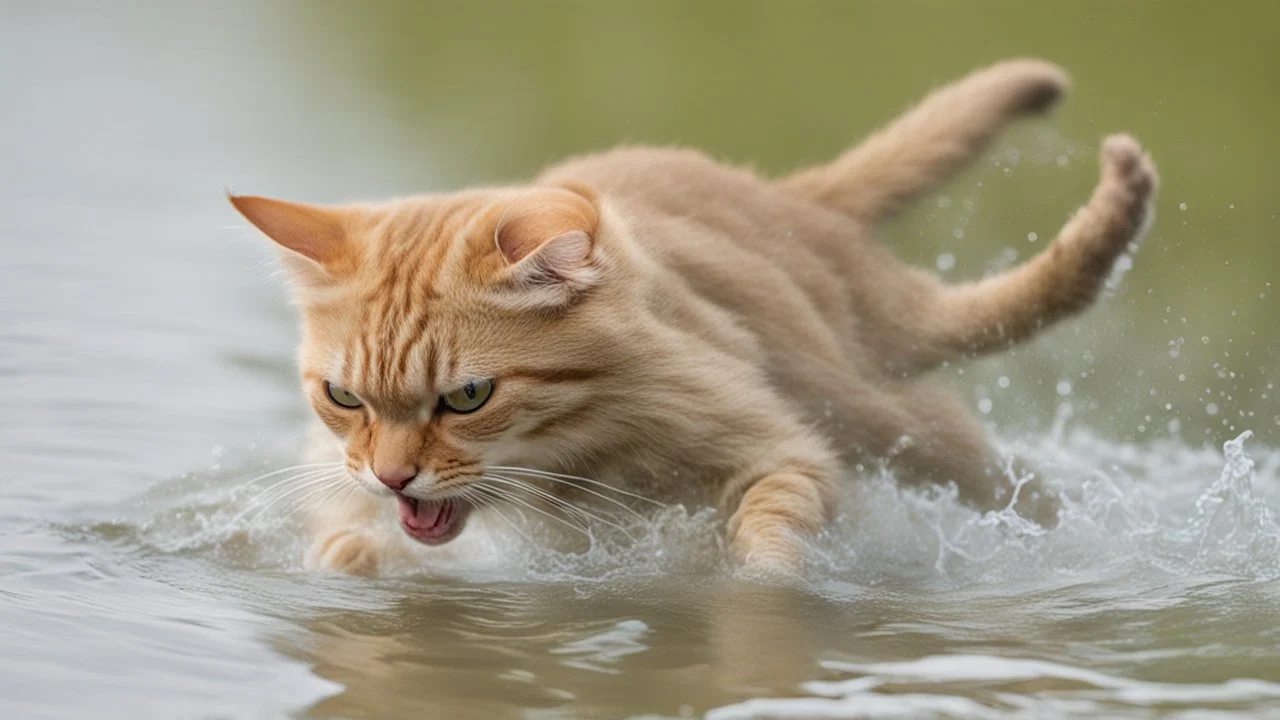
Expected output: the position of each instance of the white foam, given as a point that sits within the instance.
(1163, 506)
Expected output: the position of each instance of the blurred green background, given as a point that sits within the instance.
(144, 335)
(489, 92)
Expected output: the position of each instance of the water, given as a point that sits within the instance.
(146, 378)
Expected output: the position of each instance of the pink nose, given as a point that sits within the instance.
(397, 477)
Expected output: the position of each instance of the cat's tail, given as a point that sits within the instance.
(927, 144)
(940, 323)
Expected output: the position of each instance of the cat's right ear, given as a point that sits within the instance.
(314, 235)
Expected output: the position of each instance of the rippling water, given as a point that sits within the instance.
(145, 380)
(1160, 591)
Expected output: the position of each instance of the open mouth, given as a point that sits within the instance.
(433, 522)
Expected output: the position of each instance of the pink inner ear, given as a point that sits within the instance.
(560, 258)
(535, 220)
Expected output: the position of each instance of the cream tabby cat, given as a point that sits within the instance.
(657, 321)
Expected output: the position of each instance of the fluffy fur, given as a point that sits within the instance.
(689, 331)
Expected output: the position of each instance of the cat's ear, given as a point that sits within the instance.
(547, 238)
(317, 234)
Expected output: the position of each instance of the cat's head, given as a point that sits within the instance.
(445, 335)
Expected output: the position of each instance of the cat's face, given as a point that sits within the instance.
(445, 335)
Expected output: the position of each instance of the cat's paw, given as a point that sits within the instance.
(1128, 182)
(348, 551)
(773, 557)
(1087, 250)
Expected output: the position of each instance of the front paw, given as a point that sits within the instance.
(774, 555)
(347, 551)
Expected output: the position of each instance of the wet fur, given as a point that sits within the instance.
(663, 322)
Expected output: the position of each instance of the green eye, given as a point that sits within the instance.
(469, 397)
(341, 397)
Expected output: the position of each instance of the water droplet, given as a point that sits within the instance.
(1182, 206)
(1008, 172)
(1064, 387)
(1032, 237)
(1211, 408)
(1003, 381)
(946, 261)
(958, 232)
(984, 405)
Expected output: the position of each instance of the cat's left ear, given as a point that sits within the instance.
(548, 239)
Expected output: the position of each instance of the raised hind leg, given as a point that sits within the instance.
(953, 322)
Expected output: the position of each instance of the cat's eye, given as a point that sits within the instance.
(469, 397)
(341, 397)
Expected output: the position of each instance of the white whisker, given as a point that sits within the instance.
(301, 489)
(537, 492)
(558, 502)
(481, 500)
(293, 485)
(589, 491)
(575, 479)
(513, 499)
(306, 466)
(305, 499)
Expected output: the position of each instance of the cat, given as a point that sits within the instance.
(651, 320)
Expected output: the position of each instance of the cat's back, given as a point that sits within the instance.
(779, 264)
(670, 179)
(716, 207)
(676, 182)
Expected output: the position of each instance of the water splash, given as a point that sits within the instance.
(1160, 507)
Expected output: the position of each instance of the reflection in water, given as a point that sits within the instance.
(490, 651)
(145, 368)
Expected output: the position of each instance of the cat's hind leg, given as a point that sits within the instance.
(953, 322)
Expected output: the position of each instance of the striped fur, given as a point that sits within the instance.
(687, 330)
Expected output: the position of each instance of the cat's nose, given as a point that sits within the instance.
(396, 478)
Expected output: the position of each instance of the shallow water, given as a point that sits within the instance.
(146, 380)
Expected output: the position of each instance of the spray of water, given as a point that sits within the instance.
(1159, 507)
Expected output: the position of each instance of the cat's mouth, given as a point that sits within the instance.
(433, 522)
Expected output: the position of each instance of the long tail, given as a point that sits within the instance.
(926, 145)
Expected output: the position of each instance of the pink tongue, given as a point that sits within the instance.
(421, 514)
